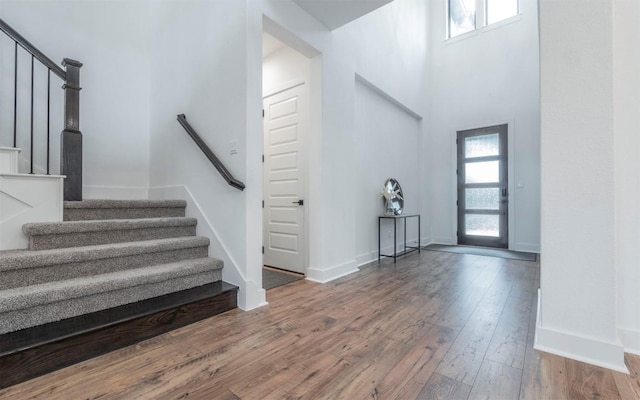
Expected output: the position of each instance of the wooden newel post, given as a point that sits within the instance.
(71, 137)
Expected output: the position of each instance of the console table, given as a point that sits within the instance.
(407, 249)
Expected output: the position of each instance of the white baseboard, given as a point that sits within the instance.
(254, 297)
(569, 345)
(250, 295)
(335, 272)
(115, 192)
(366, 258)
(630, 339)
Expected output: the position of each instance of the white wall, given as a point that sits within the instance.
(384, 52)
(626, 92)
(281, 68)
(577, 314)
(485, 78)
(389, 48)
(203, 58)
(146, 62)
(388, 146)
(200, 69)
(111, 39)
(387, 141)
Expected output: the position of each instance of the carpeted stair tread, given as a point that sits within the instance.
(53, 228)
(122, 209)
(40, 304)
(22, 260)
(118, 267)
(30, 296)
(56, 235)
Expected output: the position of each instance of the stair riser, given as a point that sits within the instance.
(26, 318)
(91, 214)
(65, 240)
(37, 275)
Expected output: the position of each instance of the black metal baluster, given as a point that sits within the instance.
(15, 97)
(31, 144)
(71, 137)
(48, 116)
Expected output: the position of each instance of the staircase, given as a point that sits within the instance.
(82, 278)
(111, 274)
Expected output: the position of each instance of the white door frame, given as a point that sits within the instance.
(313, 182)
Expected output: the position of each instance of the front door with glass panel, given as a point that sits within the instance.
(482, 187)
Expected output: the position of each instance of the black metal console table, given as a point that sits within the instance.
(395, 219)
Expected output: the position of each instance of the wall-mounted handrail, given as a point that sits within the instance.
(182, 119)
(33, 50)
(71, 137)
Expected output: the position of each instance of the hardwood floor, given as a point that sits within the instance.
(433, 326)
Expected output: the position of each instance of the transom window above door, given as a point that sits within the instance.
(465, 16)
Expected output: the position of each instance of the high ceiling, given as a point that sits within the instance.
(335, 13)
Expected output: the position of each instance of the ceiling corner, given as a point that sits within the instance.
(336, 13)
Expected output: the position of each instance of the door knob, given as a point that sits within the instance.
(299, 202)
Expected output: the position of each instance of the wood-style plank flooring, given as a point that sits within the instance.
(434, 326)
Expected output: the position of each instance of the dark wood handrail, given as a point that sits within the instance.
(25, 44)
(182, 119)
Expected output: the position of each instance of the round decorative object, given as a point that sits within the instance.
(393, 197)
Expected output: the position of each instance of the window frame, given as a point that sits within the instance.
(486, 13)
(481, 20)
(448, 16)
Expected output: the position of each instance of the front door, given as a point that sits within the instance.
(483, 206)
(285, 117)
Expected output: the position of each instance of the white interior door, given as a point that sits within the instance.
(285, 121)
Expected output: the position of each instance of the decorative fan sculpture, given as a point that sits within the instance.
(393, 197)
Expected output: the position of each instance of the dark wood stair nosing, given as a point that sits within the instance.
(42, 334)
(32, 352)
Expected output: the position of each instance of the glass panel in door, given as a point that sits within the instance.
(482, 187)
